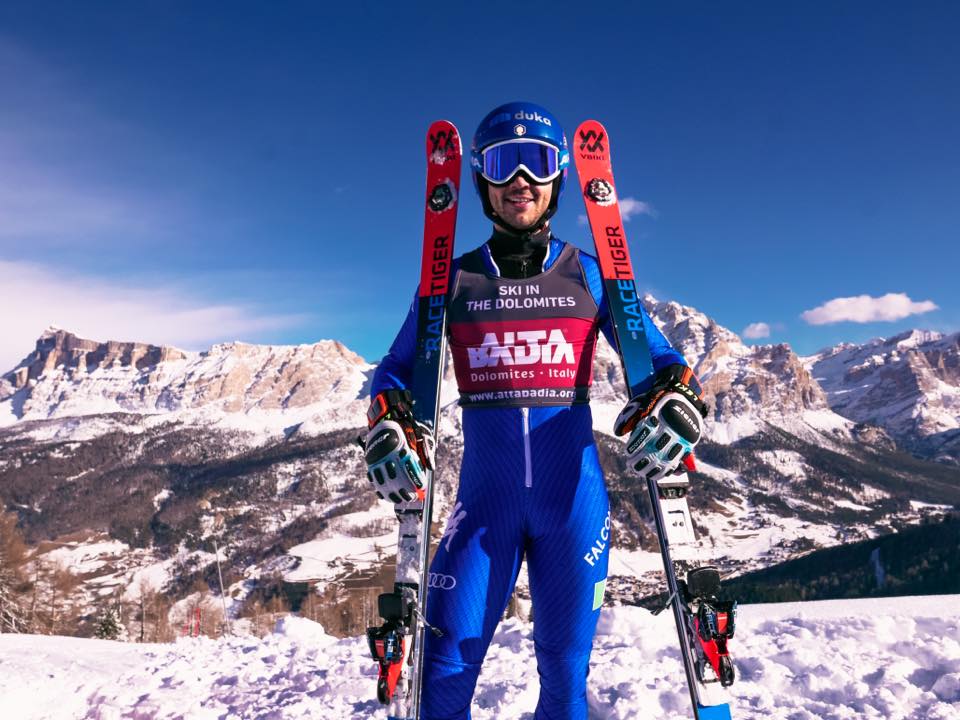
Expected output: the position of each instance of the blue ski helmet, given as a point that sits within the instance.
(519, 137)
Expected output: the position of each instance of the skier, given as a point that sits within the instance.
(524, 311)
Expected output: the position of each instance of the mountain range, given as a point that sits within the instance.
(131, 463)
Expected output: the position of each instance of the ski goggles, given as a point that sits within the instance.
(540, 160)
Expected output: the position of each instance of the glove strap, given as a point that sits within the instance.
(393, 403)
(682, 380)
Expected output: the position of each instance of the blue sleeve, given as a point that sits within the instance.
(396, 368)
(661, 350)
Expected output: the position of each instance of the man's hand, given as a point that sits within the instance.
(398, 450)
(664, 423)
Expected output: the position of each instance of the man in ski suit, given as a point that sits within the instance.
(524, 312)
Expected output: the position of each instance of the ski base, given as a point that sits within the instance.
(714, 712)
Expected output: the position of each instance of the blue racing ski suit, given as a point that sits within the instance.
(530, 488)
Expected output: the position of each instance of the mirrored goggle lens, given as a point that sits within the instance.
(501, 162)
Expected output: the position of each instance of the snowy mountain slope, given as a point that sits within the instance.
(252, 446)
(300, 507)
(908, 384)
(896, 658)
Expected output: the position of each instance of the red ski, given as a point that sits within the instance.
(397, 645)
(703, 634)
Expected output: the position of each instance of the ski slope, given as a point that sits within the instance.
(892, 658)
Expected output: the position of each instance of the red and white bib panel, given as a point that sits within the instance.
(526, 342)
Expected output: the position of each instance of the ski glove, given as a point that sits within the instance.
(664, 423)
(398, 449)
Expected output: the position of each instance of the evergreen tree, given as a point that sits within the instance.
(108, 625)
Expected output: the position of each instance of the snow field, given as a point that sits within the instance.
(895, 659)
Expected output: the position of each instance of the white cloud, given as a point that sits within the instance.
(33, 297)
(864, 309)
(629, 207)
(757, 330)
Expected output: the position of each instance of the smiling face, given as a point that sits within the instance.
(520, 203)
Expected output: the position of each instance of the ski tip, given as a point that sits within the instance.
(444, 146)
(590, 145)
(443, 133)
(436, 124)
(584, 128)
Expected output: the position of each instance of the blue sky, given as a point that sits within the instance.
(190, 173)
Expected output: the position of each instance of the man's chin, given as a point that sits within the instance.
(521, 223)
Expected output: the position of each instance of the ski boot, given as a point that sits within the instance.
(387, 644)
(712, 624)
(387, 647)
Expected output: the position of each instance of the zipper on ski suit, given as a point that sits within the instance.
(527, 461)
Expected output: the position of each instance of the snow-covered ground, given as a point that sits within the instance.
(893, 658)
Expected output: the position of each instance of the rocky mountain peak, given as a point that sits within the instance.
(282, 385)
(908, 384)
(912, 339)
(50, 331)
(57, 348)
(743, 385)
(701, 340)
